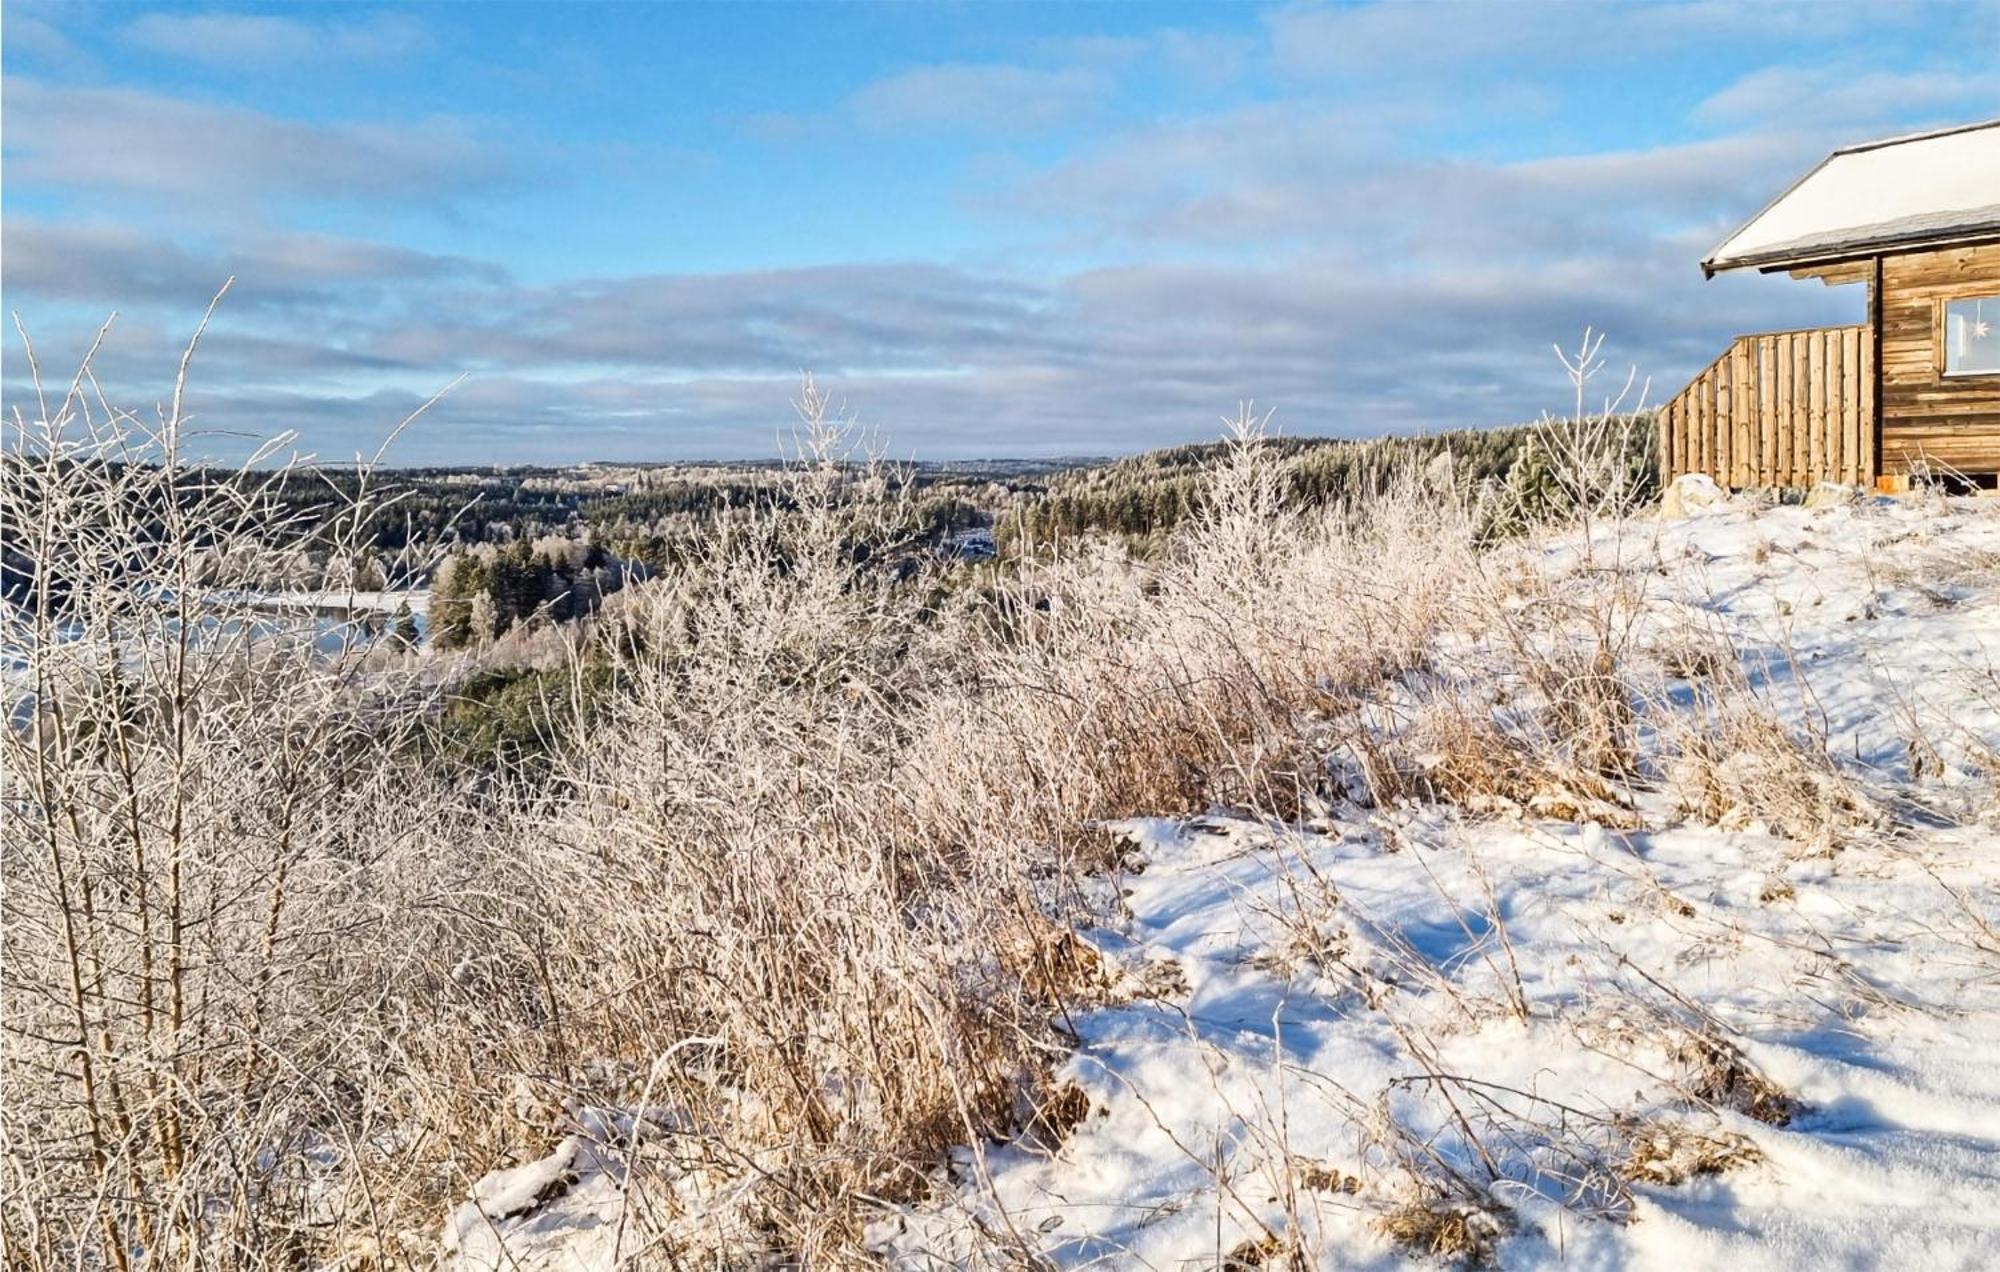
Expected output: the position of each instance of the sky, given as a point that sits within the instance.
(993, 229)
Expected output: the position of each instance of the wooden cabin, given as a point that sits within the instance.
(1913, 392)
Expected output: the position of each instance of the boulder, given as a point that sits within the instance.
(1832, 494)
(1691, 493)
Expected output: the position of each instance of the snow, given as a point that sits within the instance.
(1856, 619)
(1684, 1045)
(1926, 185)
(556, 1213)
(1268, 1058)
(379, 602)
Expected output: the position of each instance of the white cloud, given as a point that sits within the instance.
(118, 265)
(1835, 96)
(34, 36)
(224, 158)
(983, 98)
(1328, 252)
(1203, 59)
(265, 42)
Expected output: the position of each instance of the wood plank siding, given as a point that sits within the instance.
(1953, 422)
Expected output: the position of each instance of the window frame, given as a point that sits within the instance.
(1939, 308)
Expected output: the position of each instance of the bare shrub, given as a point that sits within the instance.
(1206, 677)
(761, 846)
(1737, 765)
(785, 930)
(203, 796)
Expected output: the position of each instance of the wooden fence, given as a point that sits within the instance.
(1786, 408)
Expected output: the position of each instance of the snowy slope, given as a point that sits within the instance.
(1854, 995)
(1690, 1043)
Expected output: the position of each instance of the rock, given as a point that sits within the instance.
(1691, 493)
(1831, 494)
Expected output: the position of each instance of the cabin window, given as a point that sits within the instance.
(1972, 336)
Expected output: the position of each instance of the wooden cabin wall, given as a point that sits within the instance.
(1951, 421)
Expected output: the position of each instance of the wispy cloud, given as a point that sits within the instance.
(29, 31)
(1370, 217)
(1206, 59)
(117, 265)
(225, 158)
(987, 101)
(268, 42)
(1845, 95)
(1392, 40)
(994, 98)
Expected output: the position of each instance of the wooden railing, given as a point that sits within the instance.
(1785, 408)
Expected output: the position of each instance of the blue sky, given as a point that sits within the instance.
(996, 229)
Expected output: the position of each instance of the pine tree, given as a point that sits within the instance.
(458, 581)
(404, 631)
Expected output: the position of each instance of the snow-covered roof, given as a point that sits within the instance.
(1927, 188)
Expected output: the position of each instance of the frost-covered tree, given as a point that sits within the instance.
(482, 619)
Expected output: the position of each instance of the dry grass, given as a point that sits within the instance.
(1455, 1232)
(1738, 766)
(801, 902)
(278, 988)
(1718, 1074)
(1667, 1154)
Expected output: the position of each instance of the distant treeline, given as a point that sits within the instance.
(1147, 495)
(660, 529)
(517, 546)
(415, 506)
(486, 590)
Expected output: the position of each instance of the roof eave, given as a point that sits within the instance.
(1779, 258)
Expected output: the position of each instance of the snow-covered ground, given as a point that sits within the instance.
(417, 600)
(1680, 1043)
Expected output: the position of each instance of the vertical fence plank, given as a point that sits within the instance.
(1689, 415)
(1698, 424)
(1817, 423)
(1801, 408)
(1725, 422)
(1681, 438)
(1836, 407)
(1753, 416)
(1753, 408)
(1671, 436)
(1866, 424)
(1745, 358)
(1850, 414)
(1717, 432)
(1712, 435)
(1850, 396)
(1841, 407)
(1725, 419)
(1670, 460)
(1767, 410)
(1704, 423)
(1741, 407)
(1781, 420)
(1725, 410)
